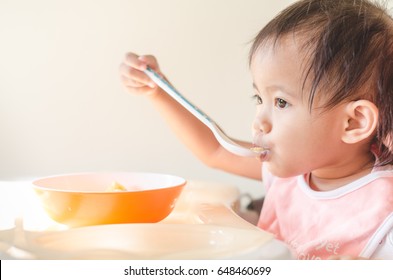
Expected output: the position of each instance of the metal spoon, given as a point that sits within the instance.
(221, 137)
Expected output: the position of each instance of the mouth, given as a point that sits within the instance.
(257, 149)
(261, 146)
(264, 156)
(262, 151)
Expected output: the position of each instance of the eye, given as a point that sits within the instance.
(257, 99)
(281, 103)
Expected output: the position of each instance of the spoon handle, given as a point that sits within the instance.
(221, 137)
(162, 83)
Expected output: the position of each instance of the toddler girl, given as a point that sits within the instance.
(323, 83)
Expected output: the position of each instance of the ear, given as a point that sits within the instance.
(360, 122)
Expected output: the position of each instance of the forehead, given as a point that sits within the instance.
(288, 48)
(282, 63)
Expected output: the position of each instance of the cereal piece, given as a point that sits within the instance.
(116, 187)
(257, 149)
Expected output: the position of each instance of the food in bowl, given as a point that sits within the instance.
(116, 187)
(83, 199)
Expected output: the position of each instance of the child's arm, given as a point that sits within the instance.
(193, 133)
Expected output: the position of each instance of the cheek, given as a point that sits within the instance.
(301, 139)
(289, 133)
(293, 160)
(302, 149)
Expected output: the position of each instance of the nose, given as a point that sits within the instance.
(262, 123)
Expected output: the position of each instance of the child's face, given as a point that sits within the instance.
(298, 141)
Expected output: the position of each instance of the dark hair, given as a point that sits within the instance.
(350, 48)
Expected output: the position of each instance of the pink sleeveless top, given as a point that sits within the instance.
(351, 220)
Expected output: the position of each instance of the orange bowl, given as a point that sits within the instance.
(87, 198)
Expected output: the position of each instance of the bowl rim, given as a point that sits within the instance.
(182, 181)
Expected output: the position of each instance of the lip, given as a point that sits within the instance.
(265, 155)
(259, 140)
(261, 145)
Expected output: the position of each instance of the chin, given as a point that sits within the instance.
(282, 172)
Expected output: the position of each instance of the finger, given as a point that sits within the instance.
(141, 90)
(150, 60)
(135, 76)
(131, 83)
(132, 60)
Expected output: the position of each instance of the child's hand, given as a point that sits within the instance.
(132, 76)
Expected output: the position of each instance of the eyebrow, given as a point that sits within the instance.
(277, 87)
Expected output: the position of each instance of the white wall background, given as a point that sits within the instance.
(63, 109)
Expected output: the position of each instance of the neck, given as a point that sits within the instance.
(335, 177)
